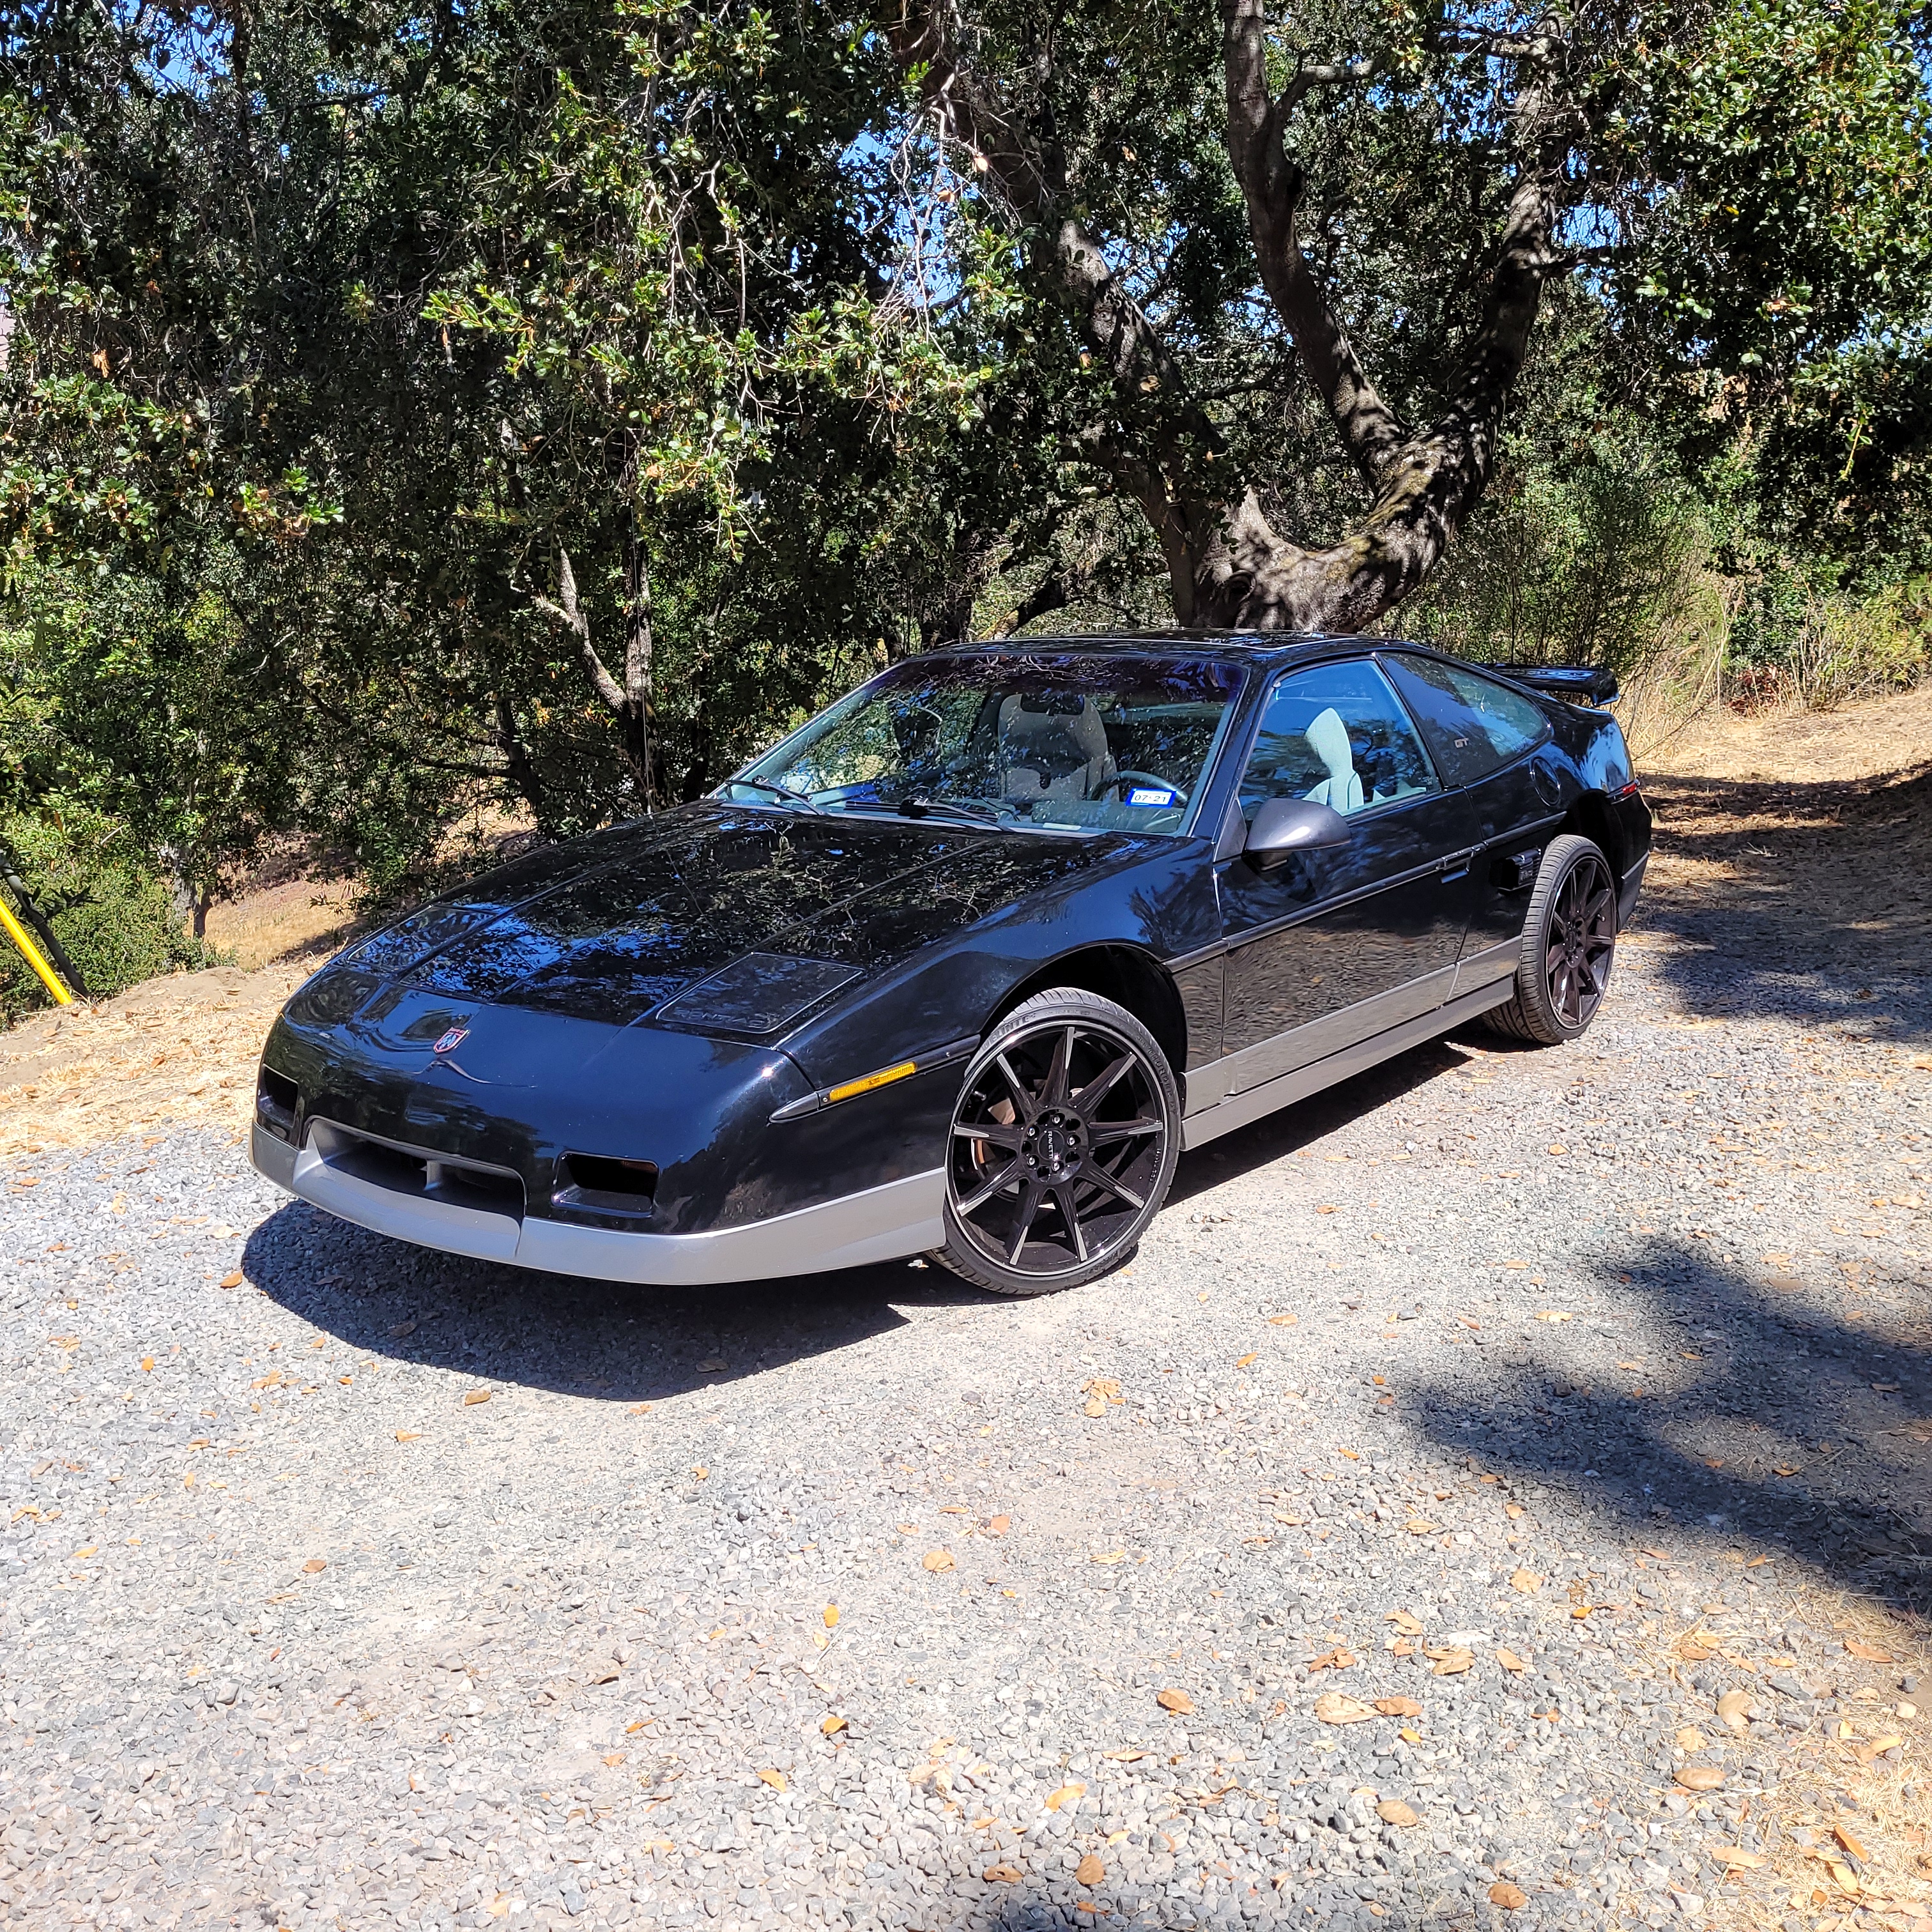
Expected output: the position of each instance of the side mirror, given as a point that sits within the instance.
(1284, 826)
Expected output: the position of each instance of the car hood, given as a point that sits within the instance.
(720, 920)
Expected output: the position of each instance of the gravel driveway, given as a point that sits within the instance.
(1509, 1407)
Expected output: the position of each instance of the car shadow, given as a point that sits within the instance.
(1276, 1136)
(622, 1343)
(612, 1341)
(1771, 1420)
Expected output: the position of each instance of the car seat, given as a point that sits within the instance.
(1051, 752)
(1328, 738)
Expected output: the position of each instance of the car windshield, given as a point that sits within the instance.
(1073, 741)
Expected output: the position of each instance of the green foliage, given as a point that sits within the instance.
(108, 907)
(332, 332)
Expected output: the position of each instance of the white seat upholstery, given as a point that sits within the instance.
(1328, 738)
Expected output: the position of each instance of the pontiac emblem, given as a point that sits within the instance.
(451, 1040)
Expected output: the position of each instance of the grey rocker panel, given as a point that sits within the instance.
(887, 1223)
(1212, 1122)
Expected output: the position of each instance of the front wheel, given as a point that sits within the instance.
(1062, 1146)
(1569, 943)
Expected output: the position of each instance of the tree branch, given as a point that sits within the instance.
(1271, 188)
(1164, 434)
(567, 613)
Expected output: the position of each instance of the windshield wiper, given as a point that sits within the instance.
(777, 791)
(974, 808)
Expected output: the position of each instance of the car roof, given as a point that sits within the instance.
(1236, 646)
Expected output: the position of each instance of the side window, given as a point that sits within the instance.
(1337, 734)
(1474, 724)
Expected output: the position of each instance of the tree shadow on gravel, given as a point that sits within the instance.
(606, 1340)
(1812, 900)
(1795, 1427)
(1028, 1906)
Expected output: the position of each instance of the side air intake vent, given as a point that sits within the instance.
(598, 1184)
(276, 1101)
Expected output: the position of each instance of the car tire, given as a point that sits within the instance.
(1569, 946)
(1050, 1183)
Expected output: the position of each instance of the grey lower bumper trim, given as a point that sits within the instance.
(879, 1224)
(1256, 1101)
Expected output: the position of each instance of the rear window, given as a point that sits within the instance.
(1474, 725)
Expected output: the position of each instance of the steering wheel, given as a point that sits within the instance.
(1121, 780)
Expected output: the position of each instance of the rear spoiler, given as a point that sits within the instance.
(1580, 684)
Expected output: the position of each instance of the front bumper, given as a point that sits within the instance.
(901, 1217)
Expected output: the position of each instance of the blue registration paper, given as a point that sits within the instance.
(1147, 795)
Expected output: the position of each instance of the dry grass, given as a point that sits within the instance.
(180, 1049)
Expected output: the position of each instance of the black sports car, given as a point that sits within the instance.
(964, 963)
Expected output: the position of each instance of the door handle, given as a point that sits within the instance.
(1456, 866)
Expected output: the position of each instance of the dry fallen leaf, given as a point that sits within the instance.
(1527, 1581)
(1736, 1855)
(1001, 1874)
(1509, 1660)
(1337, 1659)
(1870, 1652)
(1282, 1321)
(1851, 1844)
(832, 1616)
(474, 1396)
(408, 1434)
(831, 1726)
(232, 1278)
(1178, 1702)
(600, 1670)
(1689, 1738)
(1127, 1755)
(613, 1757)
(147, 1365)
(1335, 1708)
(998, 1526)
(1420, 1528)
(1091, 1871)
(1105, 1555)
(1513, 1510)
(315, 1566)
(1393, 1811)
(1450, 1659)
(938, 1561)
(1734, 1707)
(1066, 1794)
(1699, 1776)
(776, 1779)
(1242, 1361)
(1407, 1621)
(1399, 1707)
(1510, 1897)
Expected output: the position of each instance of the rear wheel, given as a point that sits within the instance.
(1569, 943)
(1062, 1146)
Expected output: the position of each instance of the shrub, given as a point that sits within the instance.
(109, 908)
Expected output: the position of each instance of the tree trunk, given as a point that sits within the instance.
(1228, 567)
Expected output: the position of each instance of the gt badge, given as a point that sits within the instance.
(451, 1040)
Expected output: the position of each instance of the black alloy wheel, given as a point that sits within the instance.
(1062, 1146)
(1569, 945)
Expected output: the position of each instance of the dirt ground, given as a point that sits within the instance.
(1820, 826)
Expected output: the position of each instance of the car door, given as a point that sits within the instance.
(1332, 947)
(1487, 741)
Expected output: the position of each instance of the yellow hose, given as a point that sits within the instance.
(29, 952)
